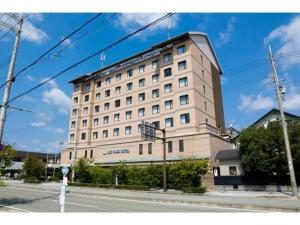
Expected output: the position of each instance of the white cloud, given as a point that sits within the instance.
(132, 21)
(68, 43)
(28, 98)
(52, 83)
(292, 102)
(32, 33)
(224, 80)
(57, 97)
(289, 38)
(254, 103)
(59, 130)
(38, 124)
(30, 78)
(225, 36)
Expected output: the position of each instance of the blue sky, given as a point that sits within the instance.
(238, 39)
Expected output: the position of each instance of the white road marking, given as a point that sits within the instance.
(10, 207)
(149, 202)
(84, 205)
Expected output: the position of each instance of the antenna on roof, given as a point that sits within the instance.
(169, 27)
(102, 59)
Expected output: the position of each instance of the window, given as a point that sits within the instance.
(181, 50)
(97, 108)
(203, 73)
(76, 88)
(149, 148)
(129, 86)
(155, 109)
(84, 123)
(170, 146)
(118, 90)
(83, 136)
(72, 137)
(118, 77)
(142, 68)
(95, 135)
(232, 170)
(140, 149)
(117, 103)
(182, 65)
(74, 112)
(86, 98)
(141, 112)
(142, 82)
(128, 100)
(128, 115)
(107, 93)
(184, 99)
(141, 97)
(70, 155)
(204, 89)
(85, 110)
(169, 104)
(117, 117)
(116, 131)
(105, 119)
(168, 72)
(155, 78)
(87, 87)
(98, 84)
(205, 105)
(96, 121)
(106, 106)
(155, 93)
(73, 124)
(108, 81)
(185, 118)
(75, 100)
(85, 154)
(169, 122)
(201, 56)
(183, 82)
(129, 73)
(105, 133)
(139, 128)
(156, 124)
(181, 146)
(91, 154)
(167, 58)
(128, 130)
(155, 64)
(168, 88)
(98, 96)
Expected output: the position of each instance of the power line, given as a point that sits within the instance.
(54, 47)
(93, 55)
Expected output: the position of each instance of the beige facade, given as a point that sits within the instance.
(175, 84)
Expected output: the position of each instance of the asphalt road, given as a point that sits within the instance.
(26, 199)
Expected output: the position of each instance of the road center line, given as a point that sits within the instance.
(10, 207)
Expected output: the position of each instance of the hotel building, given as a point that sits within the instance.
(174, 84)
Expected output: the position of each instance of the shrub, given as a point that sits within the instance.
(100, 175)
(133, 187)
(82, 170)
(91, 185)
(135, 175)
(153, 176)
(55, 179)
(121, 170)
(33, 168)
(2, 183)
(194, 190)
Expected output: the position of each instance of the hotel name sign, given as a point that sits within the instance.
(116, 152)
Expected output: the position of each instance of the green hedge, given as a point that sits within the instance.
(128, 187)
(2, 183)
(194, 190)
(31, 180)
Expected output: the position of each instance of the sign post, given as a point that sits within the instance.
(65, 171)
(148, 134)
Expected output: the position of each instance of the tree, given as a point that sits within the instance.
(6, 157)
(100, 175)
(82, 170)
(33, 168)
(263, 150)
(121, 171)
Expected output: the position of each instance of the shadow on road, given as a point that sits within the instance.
(13, 201)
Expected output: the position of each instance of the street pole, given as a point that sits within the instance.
(9, 80)
(284, 126)
(75, 147)
(164, 159)
(54, 165)
(46, 167)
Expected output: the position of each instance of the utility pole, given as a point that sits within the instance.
(46, 168)
(74, 153)
(9, 80)
(284, 125)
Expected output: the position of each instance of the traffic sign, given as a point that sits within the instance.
(148, 131)
(65, 170)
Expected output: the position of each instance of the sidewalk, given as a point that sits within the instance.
(268, 201)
